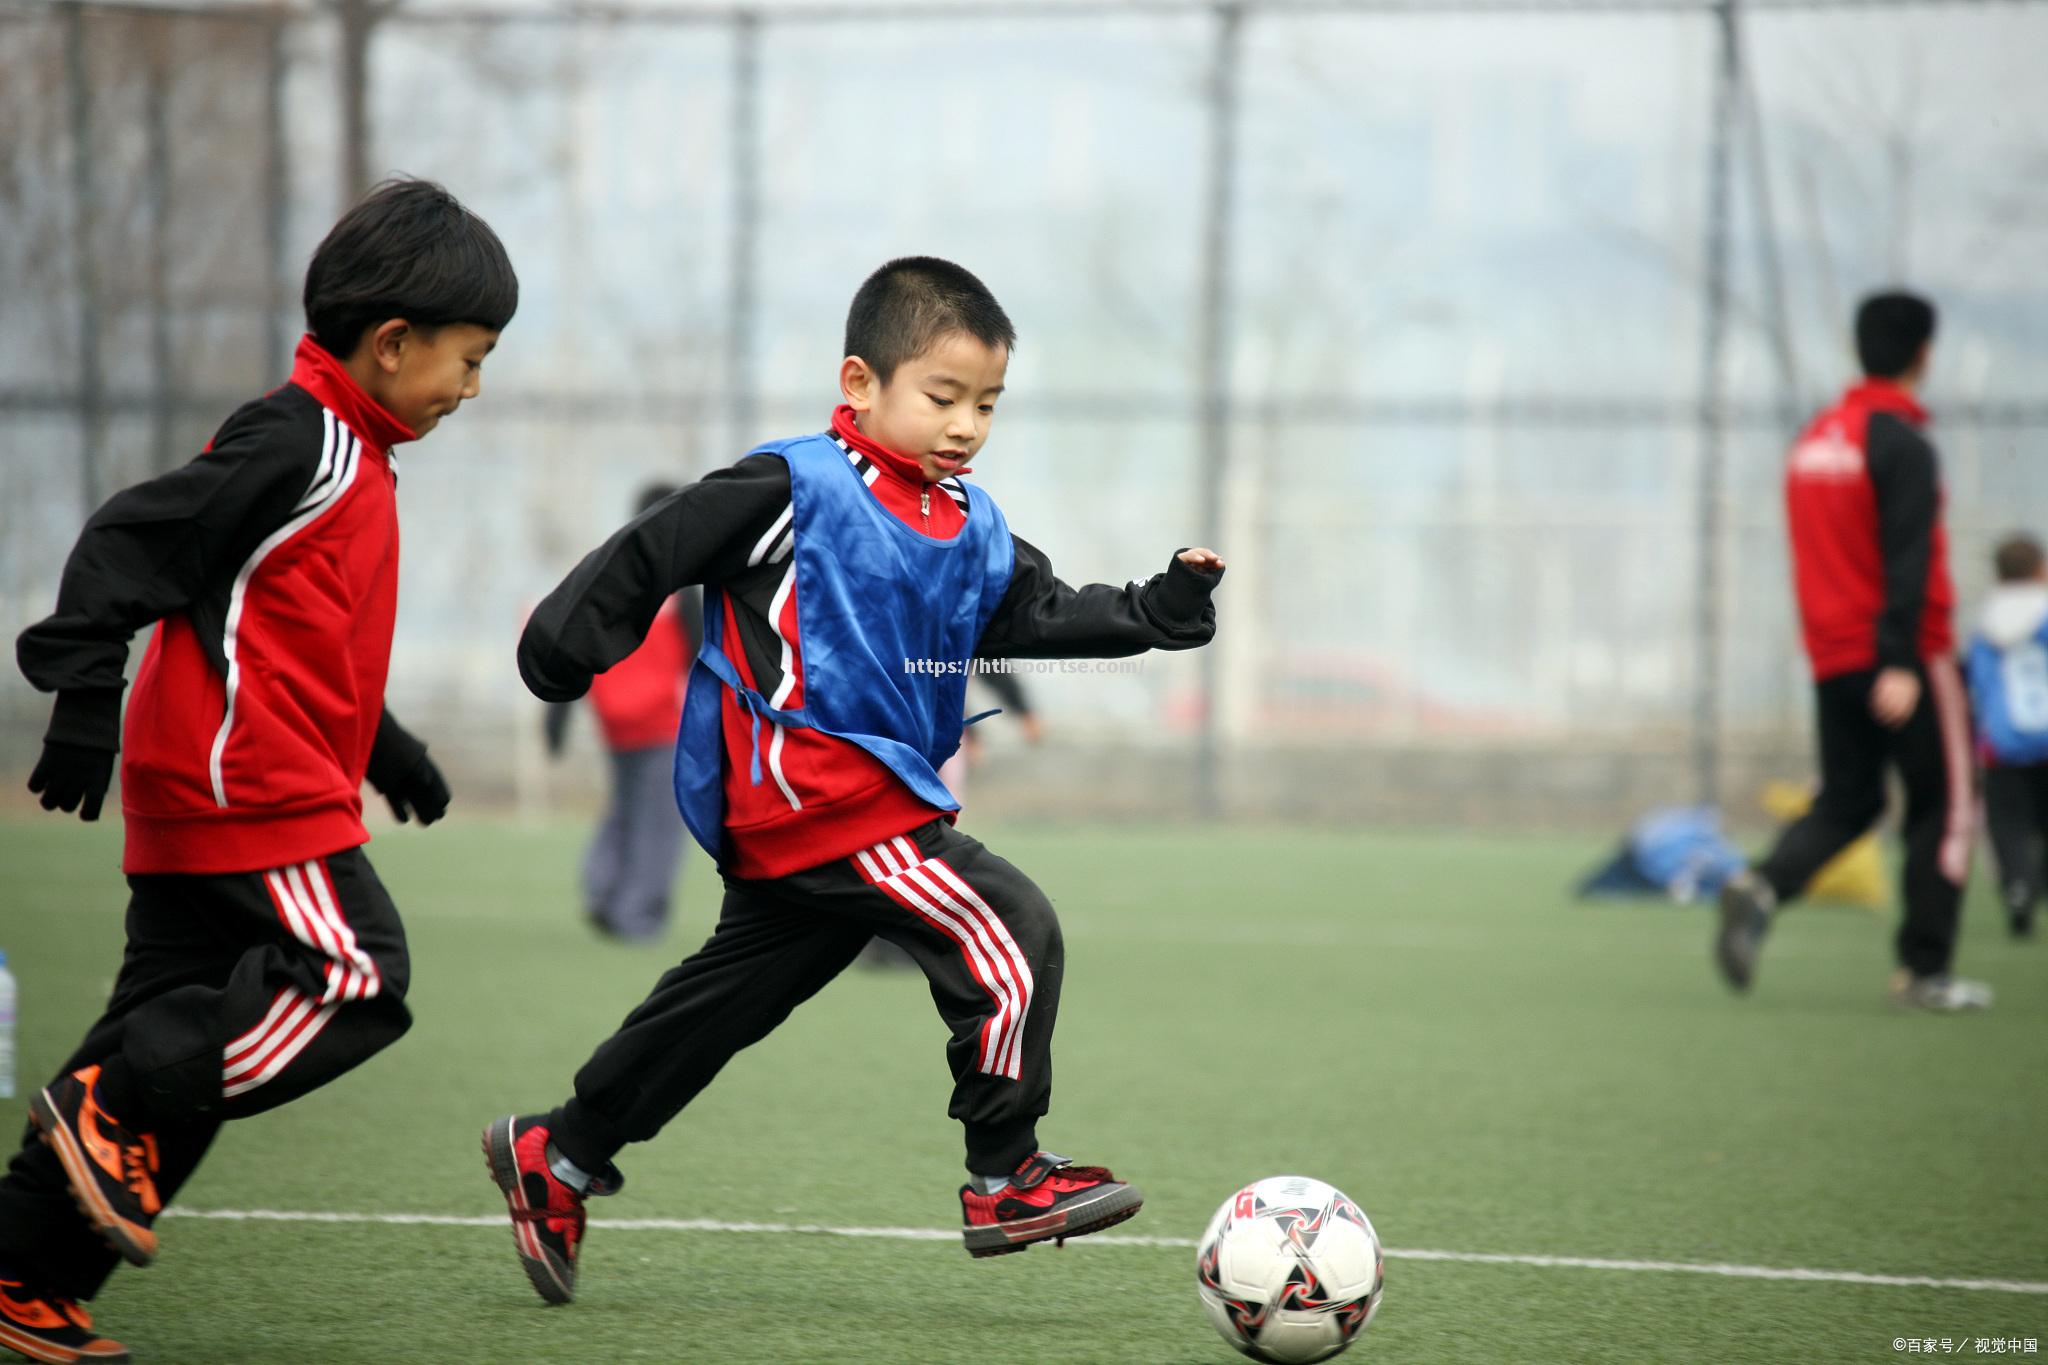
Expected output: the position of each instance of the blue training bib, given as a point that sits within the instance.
(887, 623)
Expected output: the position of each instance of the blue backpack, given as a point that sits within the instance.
(2009, 693)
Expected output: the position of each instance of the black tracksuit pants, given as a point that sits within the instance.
(1932, 755)
(2016, 812)
(983, 933)
(236, 994)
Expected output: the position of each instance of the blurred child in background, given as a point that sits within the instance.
(2008, 668)
(629, 870)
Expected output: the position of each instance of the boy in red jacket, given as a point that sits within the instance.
(264, 959)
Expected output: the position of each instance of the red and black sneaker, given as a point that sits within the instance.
(547, 1215)
(1048, 1199)
(57, 1331)
(110, 1168)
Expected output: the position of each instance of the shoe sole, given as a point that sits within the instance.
(136, 1244)
(35, 1349)
(1077, 1219)
(552, 1278)
(1734, 949)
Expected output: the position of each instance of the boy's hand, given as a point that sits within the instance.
(422, 791)
(1894, 696)
(400, 769)
(73, 777)
(1208, 561)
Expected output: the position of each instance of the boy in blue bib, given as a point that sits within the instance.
(851, 578)
(2008, 672)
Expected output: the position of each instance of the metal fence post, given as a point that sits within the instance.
(1778, 321)
(1212, 379)
(1713, 422)
(745, 144)
(91, 379)
(358, 19)
(157, 181)
(277, 194)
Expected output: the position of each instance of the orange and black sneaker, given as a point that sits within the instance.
(57, 1331)
(547, 1213)
(1048, 1199)
(111, 1169)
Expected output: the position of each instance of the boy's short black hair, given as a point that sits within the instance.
(408, 250)
(2018, 558)
(911, 302)
(1890, 330)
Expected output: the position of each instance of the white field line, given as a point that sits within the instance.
(1739, 1272)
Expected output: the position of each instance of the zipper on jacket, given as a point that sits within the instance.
(924, 502)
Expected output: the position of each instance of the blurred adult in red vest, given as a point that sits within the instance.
(1863, 506)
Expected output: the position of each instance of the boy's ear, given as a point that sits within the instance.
(857, 383)
(387, 341)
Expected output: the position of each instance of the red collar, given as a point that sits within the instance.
(885, 459)
(315, 369)
(1884, 395)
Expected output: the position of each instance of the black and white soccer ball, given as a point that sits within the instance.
(1290, 1270)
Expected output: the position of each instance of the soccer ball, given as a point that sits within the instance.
(1290, 1270)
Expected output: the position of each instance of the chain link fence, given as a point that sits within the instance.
(1472, 334)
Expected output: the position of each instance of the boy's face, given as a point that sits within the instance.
(422, 374)
(937, 407)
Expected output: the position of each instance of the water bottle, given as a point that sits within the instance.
(6, 1030)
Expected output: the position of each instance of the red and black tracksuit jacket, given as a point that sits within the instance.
(1870, 556)
(264, 957)
(821, 798)
(271, 562)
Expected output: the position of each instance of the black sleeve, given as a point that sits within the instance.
(690, 610)
(704, 533)
(1903, 473)
(151, 551)
(1042, 618)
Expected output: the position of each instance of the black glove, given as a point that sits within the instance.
(1184, 595)
(73, 777)
(422, 792)
(407, 778)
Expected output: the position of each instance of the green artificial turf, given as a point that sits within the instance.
(1427, 1021)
